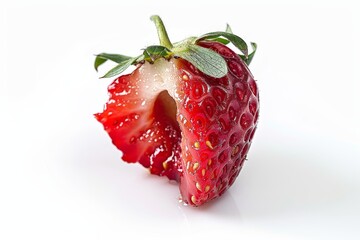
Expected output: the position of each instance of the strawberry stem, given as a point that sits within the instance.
(162, 34)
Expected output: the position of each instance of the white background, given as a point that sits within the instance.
(61, 178)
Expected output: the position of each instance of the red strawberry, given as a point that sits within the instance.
(188, 111)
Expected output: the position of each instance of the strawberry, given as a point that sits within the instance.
(188, 111)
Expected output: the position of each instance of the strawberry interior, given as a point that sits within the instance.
(165, 107)
(168, 162)
(140, 118)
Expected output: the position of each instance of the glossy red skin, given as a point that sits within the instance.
(216, 117)
(225, 114)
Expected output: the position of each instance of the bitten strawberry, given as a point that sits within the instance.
(188, 111)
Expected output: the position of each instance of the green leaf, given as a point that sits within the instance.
(98, 62)
(103, 57)
(236, 40)
(152, 53)
(221, 40)
(251, 55)
(206, 60)
(248, 59)
(119, 68)
(242, 57)
(228, 29)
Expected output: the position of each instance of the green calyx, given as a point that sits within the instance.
(206, 60)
